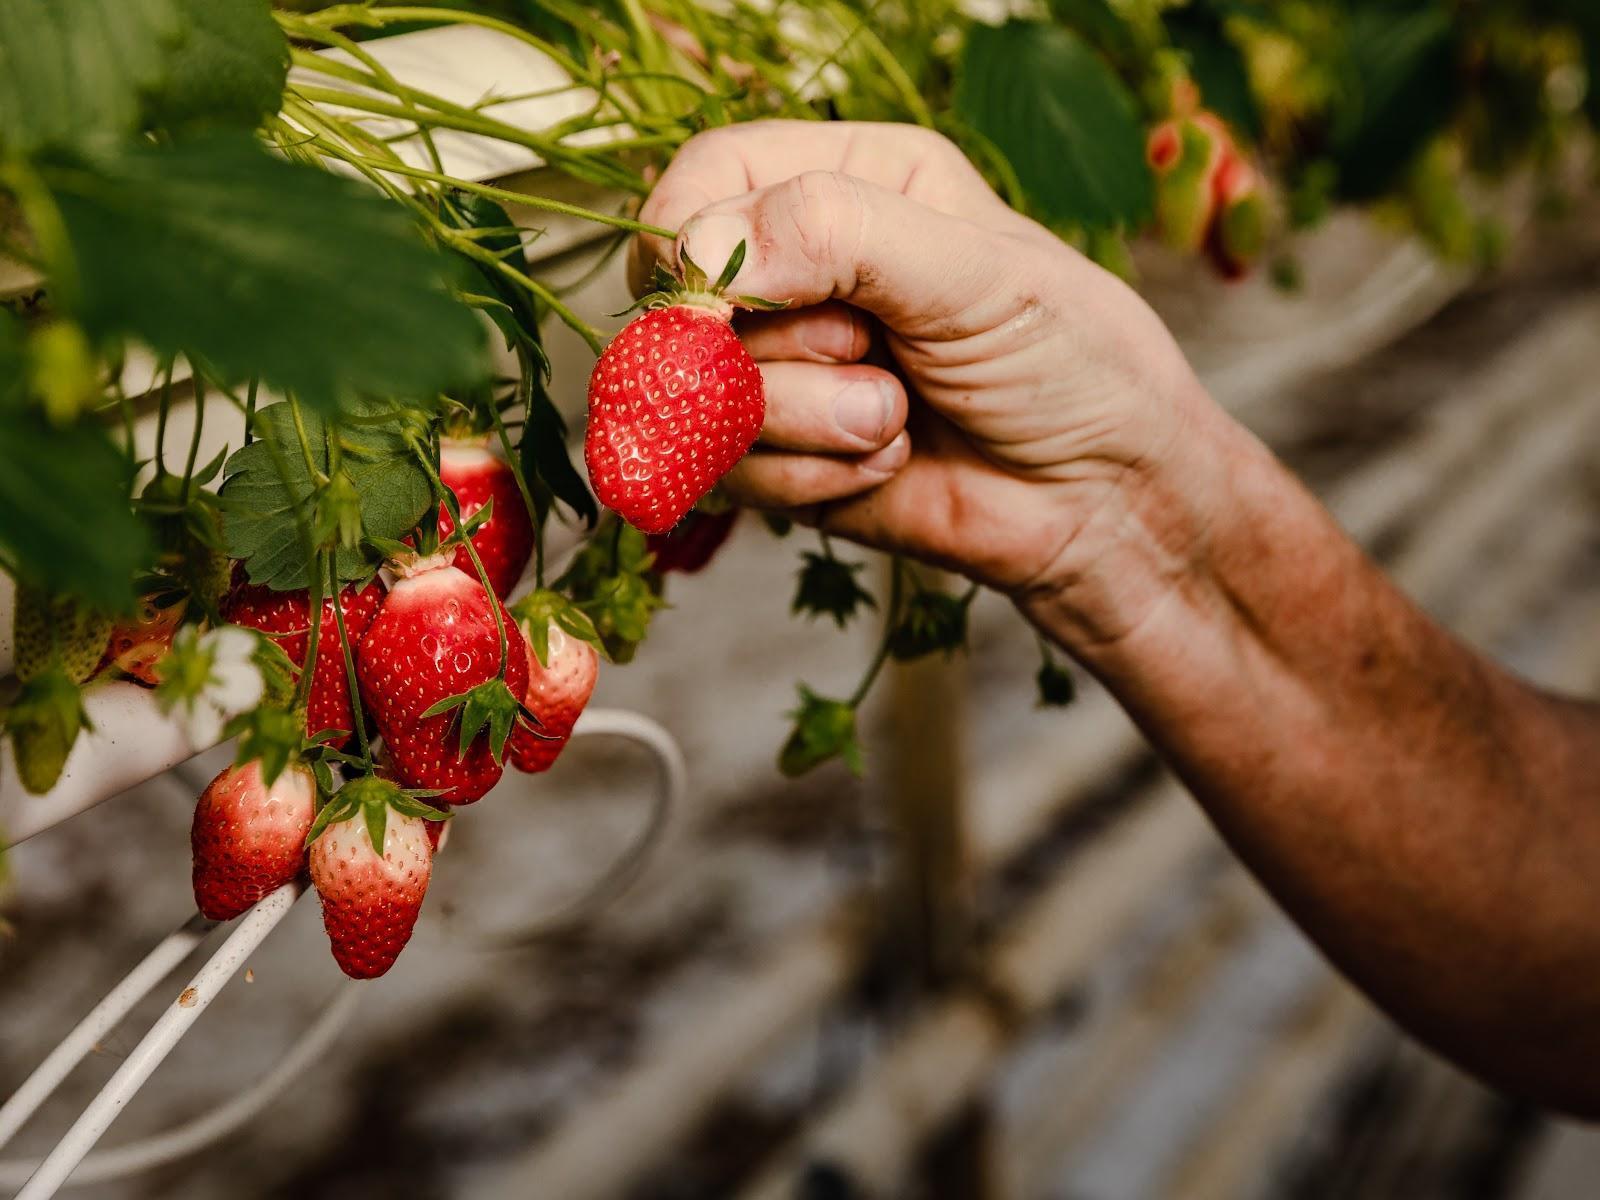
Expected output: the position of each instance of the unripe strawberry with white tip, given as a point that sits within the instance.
(371, 900)
(563, 664)
(248, 836)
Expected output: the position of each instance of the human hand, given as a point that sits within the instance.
(1021, 429)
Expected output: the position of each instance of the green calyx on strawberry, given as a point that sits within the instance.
(828, 588)
(371, 860)
(823, 729)
(249, 835)
(433, 677)
(562, 668)
(614, 581)
(674, 401)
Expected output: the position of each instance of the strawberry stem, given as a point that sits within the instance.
(163, 408)
(199, 426)
(891, 617)
(302, 687)
(357, 710)
(250, 410)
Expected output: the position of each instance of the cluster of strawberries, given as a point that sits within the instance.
(434, 635)
(454, 683)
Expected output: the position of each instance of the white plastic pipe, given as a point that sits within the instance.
(182, 1140)
(154, 1047)
(102, 1019)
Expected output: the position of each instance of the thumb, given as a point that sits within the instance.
(825, 235)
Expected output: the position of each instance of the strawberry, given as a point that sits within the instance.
(136, 646)
(434, 647)
(50, 630)
(1238, 234)
(1186, 154)
(504, 542)
(562, 667)
(286, 618)
(248, 837)
(674, 402)
(370, 901)
(690, 546)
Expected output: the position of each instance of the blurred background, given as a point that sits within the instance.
(1009, 962)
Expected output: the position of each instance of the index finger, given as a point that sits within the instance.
(723, 163)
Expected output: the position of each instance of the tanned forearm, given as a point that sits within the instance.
(1432, 822)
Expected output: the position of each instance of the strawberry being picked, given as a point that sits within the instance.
(674, 402)
(431, 675)
(562, 667)
(248, 837)
(286, 618)
(477, 475)
(370, 901)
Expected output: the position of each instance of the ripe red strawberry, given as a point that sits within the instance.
(370, 902)
(136, 646)
(688, 548)
(434, 638)
(286, 618)
(249, 839)
(674, 403)
(504, 542)
(558, 689)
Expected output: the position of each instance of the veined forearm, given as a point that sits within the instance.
(1432, 822)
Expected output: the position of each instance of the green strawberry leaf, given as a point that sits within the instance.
(1402, 70)
(268, 481)
(1217, 66)
(228, 70)
(264, 269)
(68, 527)
(828, 588)
(823, 729)
(1067, 125)
(543, 450)
(76, 74)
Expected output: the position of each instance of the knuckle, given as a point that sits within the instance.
(822, 208)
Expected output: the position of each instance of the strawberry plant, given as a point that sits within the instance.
(194, 238)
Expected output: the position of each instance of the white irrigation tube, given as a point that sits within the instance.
(160, 1149)
(102, 1019)
(159, 1042)
(672, 773)
(672, 786)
